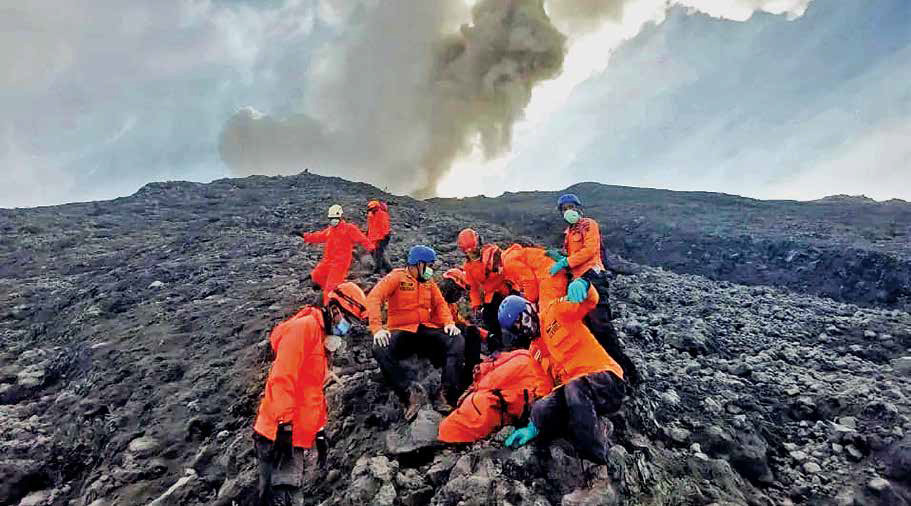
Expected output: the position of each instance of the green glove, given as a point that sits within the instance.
(521, 437)
(577, 291)
(556, 254)
(557, 267)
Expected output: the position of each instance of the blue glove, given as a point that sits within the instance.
(521, 437)
(562, 264)
(555, 254)
(577, 291)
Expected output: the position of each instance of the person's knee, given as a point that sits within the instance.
(456, 345)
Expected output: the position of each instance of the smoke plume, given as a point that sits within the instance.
(413, 90)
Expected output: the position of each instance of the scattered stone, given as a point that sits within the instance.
(420, 435)
(878, 485)
(156, 284)
(811, 468)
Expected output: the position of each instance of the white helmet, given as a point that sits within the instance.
(335, 211)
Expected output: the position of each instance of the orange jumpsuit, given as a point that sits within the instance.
(339, 241)
(410, 303)
(294, 388)
(528, 270)
(582, 242)
(483, 285)
(378, 224)
(504, 387)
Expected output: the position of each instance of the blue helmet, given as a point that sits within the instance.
(418, 254)
(568, 198)
(510, 310)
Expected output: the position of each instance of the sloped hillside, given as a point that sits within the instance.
(133, 353)
(850, 249)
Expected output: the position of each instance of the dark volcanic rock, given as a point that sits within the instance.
(133, 351)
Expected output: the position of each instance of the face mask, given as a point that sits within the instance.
(572, 216)
(334, 221)
(427, 274)
(333, 343)
(342, 327)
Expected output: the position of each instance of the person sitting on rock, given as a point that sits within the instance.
(293, 410)
(415, 314)
(378, 233)
(582, 259)
(486, 285)
(504, 388)
(590, 381)
(453, 287)
(339, 238)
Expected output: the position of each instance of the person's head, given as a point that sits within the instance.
(335, 214)
(453, 285)
(570, 207)
(492, 259)
(470, 243)
(345, 304)
(520, 317)
(372, 206)
(420, 262)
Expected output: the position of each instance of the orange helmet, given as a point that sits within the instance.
(491, 258)
(373, 204)
(468, 240)
(351, 299)
(458, 277)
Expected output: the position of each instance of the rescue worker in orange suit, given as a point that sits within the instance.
(416, 311)
(486, 285)
(453, 287)
(293, 410)
(582, 244)
(378, 233)
(502, 393)
(591, 382)
(339, 239)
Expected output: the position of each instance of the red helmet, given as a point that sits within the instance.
(469, 240)
(351, 299)
(491, 258)
(458, 277)
(373, 204)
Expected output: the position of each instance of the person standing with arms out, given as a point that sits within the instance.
(415, 312)
(582, 243)
(378, 233)
(339, 239)
(293, 411)
(487, 288)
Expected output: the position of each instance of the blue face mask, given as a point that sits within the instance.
(572, 216)
(341, 328)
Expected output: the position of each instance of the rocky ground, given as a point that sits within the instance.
(851, 249)
(133, 351)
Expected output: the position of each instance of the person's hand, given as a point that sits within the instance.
(282, 447)
(521, 437)
(452, 330)
(555, 254)
(577, 291)
(560, 265)
(381, 338)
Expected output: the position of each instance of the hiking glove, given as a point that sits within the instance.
(555, 254)
(381, 338)
(521, 437)
(577, 291)
(322, 448)
(281, 447)
(560, 265)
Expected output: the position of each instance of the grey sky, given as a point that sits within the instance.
(99, 98)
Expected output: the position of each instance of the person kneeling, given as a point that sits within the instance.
(591, 381)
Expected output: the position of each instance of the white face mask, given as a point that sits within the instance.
(334, 221)
(572, 216)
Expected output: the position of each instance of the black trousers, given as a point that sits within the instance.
(280, 483)
(598, 321)
(492, 323)
(575, 409)
(472, 336)
(434, 344)
(380, 264)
